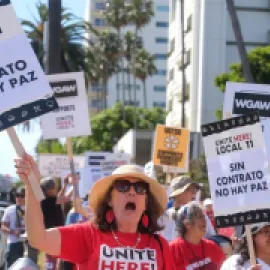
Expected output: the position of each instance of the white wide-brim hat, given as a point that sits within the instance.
(102, 186)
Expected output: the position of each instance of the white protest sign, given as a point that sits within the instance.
(25, 92)
(149, 169)
(71, 119)
(102, 164)
(53, 165)
(238, 170)
(243, 98)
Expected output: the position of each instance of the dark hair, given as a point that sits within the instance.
(243, 252)
(152, 211)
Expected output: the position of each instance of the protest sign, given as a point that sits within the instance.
(171, 148)
(243, 98)
(25, 92)
(102, 164)
(80, 172)
(238, 170)
(149, 169)
(53, 165)
(71, 119)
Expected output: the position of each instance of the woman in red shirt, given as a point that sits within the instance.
(126, 207)
(190, 250)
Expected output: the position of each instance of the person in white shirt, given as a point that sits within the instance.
(261, 241)
(183, 191)
(13, 225)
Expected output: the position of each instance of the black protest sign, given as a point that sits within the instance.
(237, 170)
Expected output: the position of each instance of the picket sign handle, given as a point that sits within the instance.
(250, 245)
(20, 151)
(72, 166)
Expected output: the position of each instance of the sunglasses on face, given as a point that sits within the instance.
(20, 196)
(124, 186)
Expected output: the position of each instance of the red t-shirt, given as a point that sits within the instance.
(90, 248)
(187, 256)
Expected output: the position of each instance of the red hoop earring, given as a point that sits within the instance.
(110, 216)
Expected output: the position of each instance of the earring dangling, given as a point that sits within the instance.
(110, 216)
(145, 220)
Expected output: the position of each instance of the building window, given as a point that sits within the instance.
(189, 23)
(163, 8)
(161, 40)
(127, 86)
(162, 24)
(171, 75)
(97, 87)
(132, 103)
(97, 103)
(161, 72)
(161, 104)
(100, 6)
(161, 56)
(172, 45)
(160, 88)
(188, 57)
(173, 9)
(170, 105)
(100, 22)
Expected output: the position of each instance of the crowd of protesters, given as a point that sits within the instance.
(126, 222)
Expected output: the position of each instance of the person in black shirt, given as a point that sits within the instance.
(52, 210)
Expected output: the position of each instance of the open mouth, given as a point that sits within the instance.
(130, 206)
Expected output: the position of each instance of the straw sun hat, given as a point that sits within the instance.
(101, 187)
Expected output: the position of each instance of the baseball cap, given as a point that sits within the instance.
(255, 228)
(181, 184)
(20, 191)
(207, 202)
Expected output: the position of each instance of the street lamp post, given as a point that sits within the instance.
(53, 64)
(183, 63)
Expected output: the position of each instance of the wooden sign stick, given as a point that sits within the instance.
(34, 182)
(250, 245)
(72, 167)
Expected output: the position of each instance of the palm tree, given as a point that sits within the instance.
(145, 67)
(140, 13)
(240, 42)
(116, 16)
(72, 36)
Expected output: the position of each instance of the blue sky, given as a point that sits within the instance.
(24, 10)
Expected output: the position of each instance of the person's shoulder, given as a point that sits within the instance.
(10, 208)
(231, 262)
(176, 242)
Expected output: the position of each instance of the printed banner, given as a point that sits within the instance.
(238, 170)
(172, 148)
(53, 165)
(102, 164)
(24, 90)
(244, 98)
(71, 119)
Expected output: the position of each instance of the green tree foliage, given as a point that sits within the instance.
(50, 146)
(107, 128)
(259, 59)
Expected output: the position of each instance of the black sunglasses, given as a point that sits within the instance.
(124, 186)
(20, 195)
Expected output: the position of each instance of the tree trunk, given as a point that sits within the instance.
(144, 93)
(117, 74)
(129, 85)
(240, 42)
(134, 56)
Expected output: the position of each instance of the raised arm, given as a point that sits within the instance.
(48, 241)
